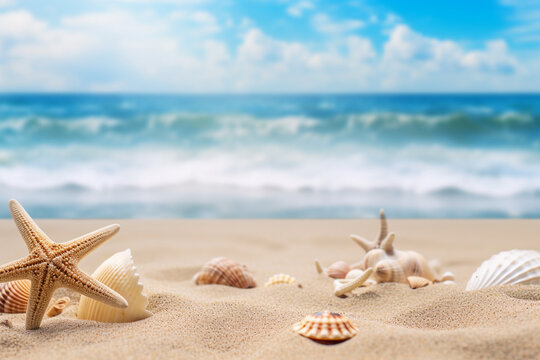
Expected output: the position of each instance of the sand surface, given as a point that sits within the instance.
(218, 322)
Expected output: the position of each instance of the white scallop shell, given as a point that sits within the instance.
(119, 273)
(507, 268)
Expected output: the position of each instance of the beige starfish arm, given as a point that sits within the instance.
(363, 243)
(81, 246)
(18, 269)
(41, 292)
(33, 236)
(88, 286)
(388, 243)
(384, 227)
(349, 286)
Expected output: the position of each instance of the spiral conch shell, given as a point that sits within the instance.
(326, 326)
(223, 271)
(281, 279)
(119, 273)
(507, 268)
(390, 264)
(14, 296)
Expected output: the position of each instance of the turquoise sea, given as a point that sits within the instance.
(271, 156)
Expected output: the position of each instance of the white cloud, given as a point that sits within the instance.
(323, 24)
(6, 3)
(203, 21)
(117, 50)
(298, 8)
(525, 19)
(391, 19)
(408, 47)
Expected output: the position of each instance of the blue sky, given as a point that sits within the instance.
(269, 46)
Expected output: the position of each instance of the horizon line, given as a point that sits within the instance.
(344, 93)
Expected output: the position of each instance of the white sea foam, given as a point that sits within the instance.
(414, 169)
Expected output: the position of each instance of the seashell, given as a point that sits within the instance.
(447, 282)
(507, 268)
(447, 277)
(390, 264)
(222, 271)
(326, 326)
(14, 296)
(354, 273)
(338, 270)
(58, 307)
(119, 273)
(281, 279)
(416, 282)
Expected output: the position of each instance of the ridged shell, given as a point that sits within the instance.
(281, 279)
(119, 273)
(223, 271)
(416, 282)
(507, 268)
(354, 273)
(58, 307)
(326, 326)
(338, 270)
(14, 296)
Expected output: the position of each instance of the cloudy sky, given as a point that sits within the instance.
(246, 46)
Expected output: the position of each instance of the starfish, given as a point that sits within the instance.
(51, 265)
(385, 240)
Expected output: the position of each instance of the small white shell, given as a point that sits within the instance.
(119, 273)
(354, 273)
(507, 268)
(281, 279)
(447, 276)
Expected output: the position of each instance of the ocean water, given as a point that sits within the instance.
(271, 156)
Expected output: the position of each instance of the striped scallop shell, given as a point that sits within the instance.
(14, 296)
(119, 273)
(507, 268)
(281, 279)
(326, 326)
(223, 271)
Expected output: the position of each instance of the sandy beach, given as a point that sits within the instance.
(218, 322)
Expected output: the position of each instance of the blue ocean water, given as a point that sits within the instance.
(271, 156)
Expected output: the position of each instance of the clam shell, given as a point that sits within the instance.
(14, 296)
(507, 268)
(416, 282)
(281, 279)
(119, 273)
(223, 271)
(326, 326)
(447, 276)
(338, 270)
(354, 273)
(58, 307)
